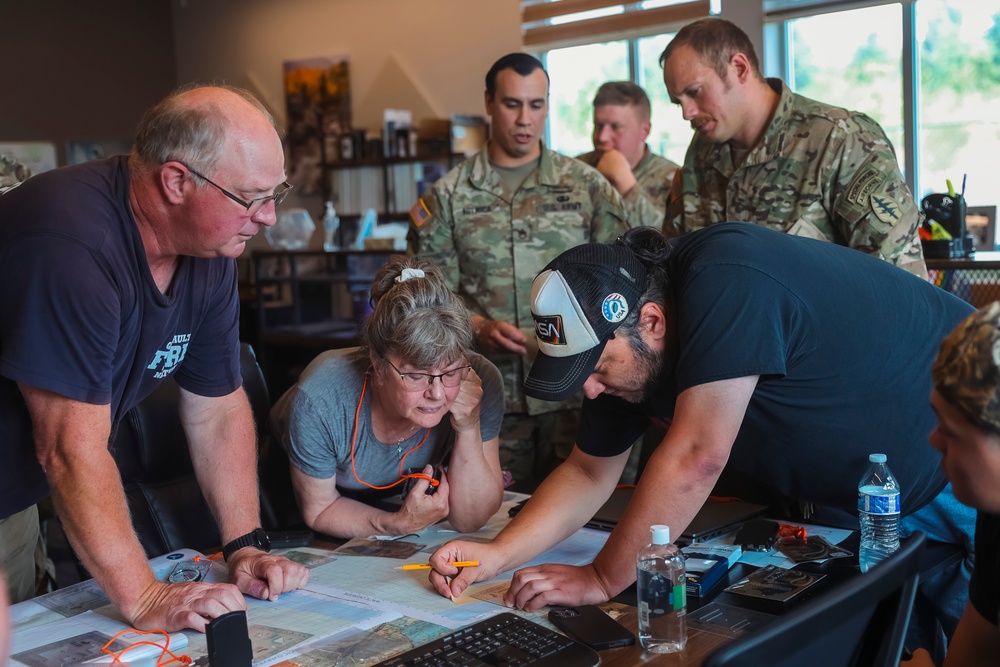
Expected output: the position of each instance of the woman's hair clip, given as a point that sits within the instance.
(409, 274)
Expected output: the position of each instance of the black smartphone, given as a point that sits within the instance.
(589, 625)
(283, 539)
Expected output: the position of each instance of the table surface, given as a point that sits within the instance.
(700, 642)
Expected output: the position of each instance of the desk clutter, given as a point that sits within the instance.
(356, 609)
(363, 605)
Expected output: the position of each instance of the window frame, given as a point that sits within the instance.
(777, 63)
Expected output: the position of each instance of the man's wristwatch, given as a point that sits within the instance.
(255, 538)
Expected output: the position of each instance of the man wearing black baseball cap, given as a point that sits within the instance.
(789, 359)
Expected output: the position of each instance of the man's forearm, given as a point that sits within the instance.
(655, 501)
(71, 443)
(223, 445)
(565, 501)
(90, 502)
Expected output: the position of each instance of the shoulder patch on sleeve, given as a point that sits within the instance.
(864, 183)
(419, 214)
(885, 208)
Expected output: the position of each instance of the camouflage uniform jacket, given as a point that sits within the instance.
(491, 245)
(645, 203)
(819, 171)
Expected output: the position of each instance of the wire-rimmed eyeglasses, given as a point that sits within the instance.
(254, 204)
(420, 381)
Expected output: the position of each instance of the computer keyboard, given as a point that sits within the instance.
(506, 640)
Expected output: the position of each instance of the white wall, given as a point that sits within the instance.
(429, 56)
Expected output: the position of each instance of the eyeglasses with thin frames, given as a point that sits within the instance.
(420, 381)
(255, 204)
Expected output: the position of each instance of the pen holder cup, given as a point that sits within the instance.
(948, 211)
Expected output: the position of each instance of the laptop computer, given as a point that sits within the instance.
(713, 519)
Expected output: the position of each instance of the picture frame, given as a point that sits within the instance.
(981, 223)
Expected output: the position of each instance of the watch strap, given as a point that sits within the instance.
(255, 538)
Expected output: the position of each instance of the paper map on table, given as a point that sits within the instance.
(378, 581)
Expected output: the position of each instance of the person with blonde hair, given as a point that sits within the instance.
(412, 415)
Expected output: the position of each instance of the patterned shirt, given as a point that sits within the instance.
(646, 202)
(491, 244)
(819, 171)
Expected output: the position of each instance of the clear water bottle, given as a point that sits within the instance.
(878, 510)
(331, 223)
(661, 596)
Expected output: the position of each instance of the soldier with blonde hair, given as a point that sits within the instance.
(765, 155)
(621, 126)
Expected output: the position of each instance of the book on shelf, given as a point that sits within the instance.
(705, 564)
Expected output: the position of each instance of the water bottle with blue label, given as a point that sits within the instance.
(878, 511)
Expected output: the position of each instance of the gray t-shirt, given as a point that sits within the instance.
(314, 422)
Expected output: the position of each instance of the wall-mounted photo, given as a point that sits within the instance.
(318, 97)
(85, 151)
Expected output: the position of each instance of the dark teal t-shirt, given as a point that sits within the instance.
(843, 343)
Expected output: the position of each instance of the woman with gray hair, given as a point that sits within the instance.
(393, 436)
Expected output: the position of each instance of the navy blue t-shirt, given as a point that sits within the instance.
(81, 316)
(843, 343)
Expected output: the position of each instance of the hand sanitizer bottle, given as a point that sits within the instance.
(331, 223)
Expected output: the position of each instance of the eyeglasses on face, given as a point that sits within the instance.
(420, 381)
(254, 205)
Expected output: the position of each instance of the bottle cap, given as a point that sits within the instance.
(876, 458)
(661, 534)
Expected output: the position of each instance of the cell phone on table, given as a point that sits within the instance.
(589, 625)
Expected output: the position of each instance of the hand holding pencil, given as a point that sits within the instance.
(428, 566)
(451, 572)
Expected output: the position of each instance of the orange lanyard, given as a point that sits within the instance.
(402, 476)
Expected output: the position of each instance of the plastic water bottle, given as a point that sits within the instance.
(661, 594)
(331, 223)
(878, 509)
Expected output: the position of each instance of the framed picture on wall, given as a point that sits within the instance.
(981, 222)
(38, 156)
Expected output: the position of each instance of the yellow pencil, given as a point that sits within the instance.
(427, 566)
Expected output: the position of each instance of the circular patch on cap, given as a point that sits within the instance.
(614, 308)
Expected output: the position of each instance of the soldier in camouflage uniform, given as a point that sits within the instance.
(12, 172)
(491, 224)
(966, 398)
(621, 126)
(764, 155)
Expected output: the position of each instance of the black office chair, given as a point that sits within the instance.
(168, 509)
(861, 622)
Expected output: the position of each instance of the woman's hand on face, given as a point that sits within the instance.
(465, 408)
(421, 509)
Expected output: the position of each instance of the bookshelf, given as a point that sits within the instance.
(308, 301)
(390, 185)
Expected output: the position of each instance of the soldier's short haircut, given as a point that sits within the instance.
(416, 316)
(192, 133)
(715, 41)
(623, 93)
(521, 63)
